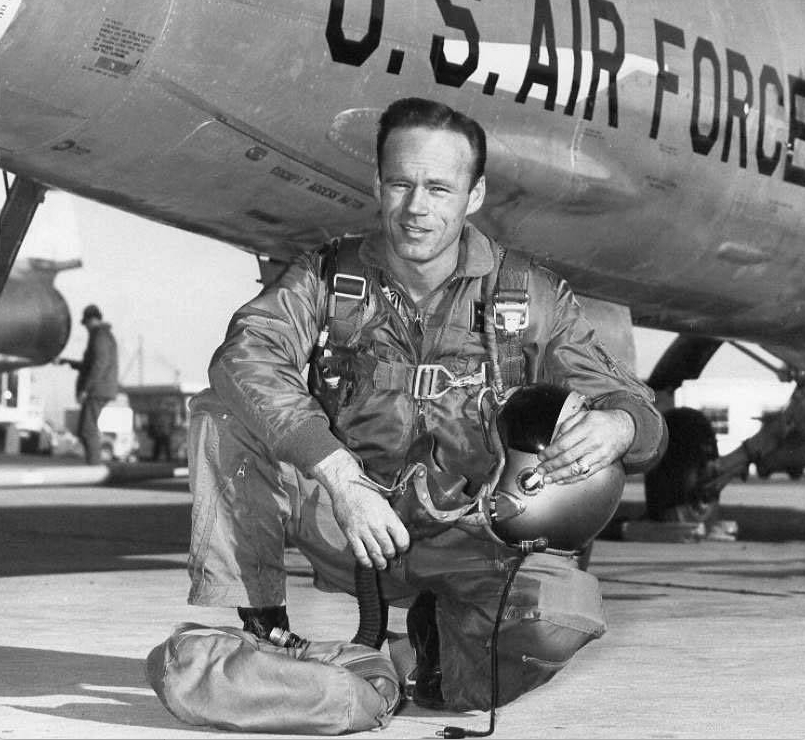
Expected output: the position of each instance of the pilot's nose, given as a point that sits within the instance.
(418, 200)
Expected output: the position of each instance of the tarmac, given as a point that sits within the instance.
(705, 638)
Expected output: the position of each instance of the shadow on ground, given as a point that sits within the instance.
(82, 686)
(66, 539)
(755, 523)
(53, 538)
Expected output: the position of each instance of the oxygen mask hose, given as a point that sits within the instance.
(373, 611)
(450, 731)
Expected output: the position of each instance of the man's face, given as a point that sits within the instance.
(424, 191)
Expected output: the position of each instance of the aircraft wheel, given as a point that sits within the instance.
(794, 473)
(673, 487)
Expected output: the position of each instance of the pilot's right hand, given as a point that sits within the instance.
(374, 532)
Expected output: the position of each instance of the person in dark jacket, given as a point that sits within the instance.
(275, 459)
(97, 380)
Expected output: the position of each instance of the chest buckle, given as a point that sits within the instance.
(434, 381)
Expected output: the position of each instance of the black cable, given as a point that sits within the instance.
(458, 732)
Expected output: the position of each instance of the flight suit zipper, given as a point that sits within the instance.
(414, 332)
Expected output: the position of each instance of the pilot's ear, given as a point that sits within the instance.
(377, 185)
(477, 195)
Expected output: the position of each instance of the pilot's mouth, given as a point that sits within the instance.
(413, 229)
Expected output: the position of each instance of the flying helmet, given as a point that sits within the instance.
(519, 506)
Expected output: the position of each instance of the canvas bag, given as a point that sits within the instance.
(228, 678)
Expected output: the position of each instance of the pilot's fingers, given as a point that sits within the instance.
(591, 443)
(399, 534)
(359, 551)
(381, 548)
(581, 448)
(569, 442)
(565, 465)
(383, 540)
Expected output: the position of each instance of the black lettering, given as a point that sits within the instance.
(703, 143)
(608, 61)
(575, 84)
(348, 51)
(737, 107)
(541, 74)
(664, 34)
(451, 73)
(796, 130)
(320, 189)
(768, 77)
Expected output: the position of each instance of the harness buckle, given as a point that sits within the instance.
(428, 378)
(511, 316)
(349, 286)
(426, 382)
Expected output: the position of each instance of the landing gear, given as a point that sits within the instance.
(675, 489)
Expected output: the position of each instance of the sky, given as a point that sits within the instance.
(172, 294)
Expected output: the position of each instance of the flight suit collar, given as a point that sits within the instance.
(476, 256)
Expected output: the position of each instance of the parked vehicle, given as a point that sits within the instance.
(116, 422)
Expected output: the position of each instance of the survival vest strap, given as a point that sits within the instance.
(506, 311)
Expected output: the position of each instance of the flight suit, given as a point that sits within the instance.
(257, 431)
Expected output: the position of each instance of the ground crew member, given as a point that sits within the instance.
(97, 380)
(275, 460)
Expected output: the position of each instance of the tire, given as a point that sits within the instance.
(673, 488)
(794, 473)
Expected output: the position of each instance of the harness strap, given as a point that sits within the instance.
(505, 321)
(510, 314)
(348, 288)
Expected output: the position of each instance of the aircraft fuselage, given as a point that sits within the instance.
(651, 152)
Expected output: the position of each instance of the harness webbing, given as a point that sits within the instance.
(511, 291)
(505, 295)
(347, 285)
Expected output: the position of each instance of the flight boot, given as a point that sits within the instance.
(260, 621)
(423, 634)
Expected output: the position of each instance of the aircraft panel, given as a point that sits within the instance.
(652, 151)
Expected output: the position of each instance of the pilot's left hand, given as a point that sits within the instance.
(585, 443)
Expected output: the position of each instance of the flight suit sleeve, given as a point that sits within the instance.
(575, 357)
(259, 370)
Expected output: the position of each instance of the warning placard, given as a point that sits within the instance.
(8, 11)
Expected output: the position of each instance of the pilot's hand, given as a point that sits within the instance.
(374, 532)
(585, 443)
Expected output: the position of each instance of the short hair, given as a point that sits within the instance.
(420, 112)
(91, 312)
